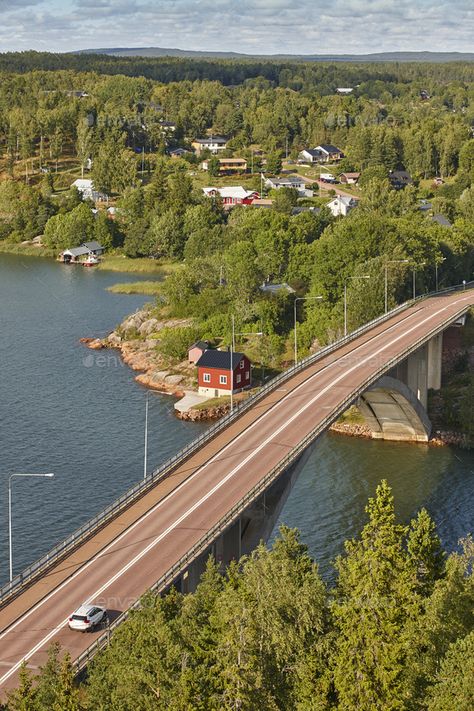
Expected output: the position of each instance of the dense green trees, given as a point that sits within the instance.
(395, 631)
(50, 119)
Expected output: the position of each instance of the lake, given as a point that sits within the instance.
(80, 414)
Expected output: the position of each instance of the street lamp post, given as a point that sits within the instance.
(392, 261)
(421, 264)
(10, 540)
(232, 349)
(443, 259)
(365, 276)
(302, 298)
(145, 449)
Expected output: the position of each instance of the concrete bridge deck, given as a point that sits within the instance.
(125, 558)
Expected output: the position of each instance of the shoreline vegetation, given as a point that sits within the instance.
(149, 288)
(138, 336)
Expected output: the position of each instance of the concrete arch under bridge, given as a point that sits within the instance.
(393, 412)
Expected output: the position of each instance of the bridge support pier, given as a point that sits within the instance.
(435, 360)
(254, 525)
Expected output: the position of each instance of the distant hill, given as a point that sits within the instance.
(378, 57)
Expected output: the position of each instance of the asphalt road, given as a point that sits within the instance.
(118, 564)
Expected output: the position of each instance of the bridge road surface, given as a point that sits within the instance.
(119, 563)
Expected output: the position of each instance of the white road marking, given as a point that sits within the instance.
(203, 499)
(160, 503)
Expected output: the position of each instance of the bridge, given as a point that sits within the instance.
(223, 492)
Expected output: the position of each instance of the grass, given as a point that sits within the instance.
(224, 400)
(150, 288)
(142, 265)
(351, 416)
(27, 250)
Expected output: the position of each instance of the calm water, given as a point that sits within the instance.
(80, 414)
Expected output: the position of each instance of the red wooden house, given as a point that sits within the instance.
(216, 377)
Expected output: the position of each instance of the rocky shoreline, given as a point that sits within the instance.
(136, 339)
(439, 438)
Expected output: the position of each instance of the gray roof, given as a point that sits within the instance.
(292, 179)
(305, 208)
(219, 359)
(402, 176)
(93, 246)
(203, 345)
(441, 220)
(312, 152)
(77, 251)
(212, 139)
(329, 148)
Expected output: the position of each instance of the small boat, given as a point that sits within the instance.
(90, 261)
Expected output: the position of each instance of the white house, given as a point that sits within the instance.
(342, 205)
(308, 155)
(290, 181)
(325, 153)
(232, 195)
(86, 187)
(344, 90)
(212, 143)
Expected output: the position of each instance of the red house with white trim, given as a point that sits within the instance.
(235, 195)
(216, 377)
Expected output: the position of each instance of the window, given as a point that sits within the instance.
(222, 379)
(247, 375)
(238, 378)
(206, 377)
(242, 364)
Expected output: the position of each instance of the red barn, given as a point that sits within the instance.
(216, 376)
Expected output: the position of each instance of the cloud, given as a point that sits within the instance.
(252, 26)
(6, 5)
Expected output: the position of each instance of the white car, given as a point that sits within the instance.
(86, 617)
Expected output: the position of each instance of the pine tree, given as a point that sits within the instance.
(425, 553)
(453, 689)
(372, 601)
(48, 679)
(67, 695)
(24, 697)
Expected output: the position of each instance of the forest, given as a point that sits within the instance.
(64, 117)
(393, 631)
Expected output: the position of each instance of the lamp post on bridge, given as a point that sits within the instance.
(232, 349)
(302, 298)
(415, 266)
(440, 261)
(392, 261)
(50, 475)
(364, 276)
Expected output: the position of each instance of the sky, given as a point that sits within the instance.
(247, 26)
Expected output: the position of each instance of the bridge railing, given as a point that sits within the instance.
(62, 549)
(205, 542)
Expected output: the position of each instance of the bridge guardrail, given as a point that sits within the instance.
(134, 493)
(229, 518)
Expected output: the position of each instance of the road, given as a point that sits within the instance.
(118, 564)
(326, 186)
